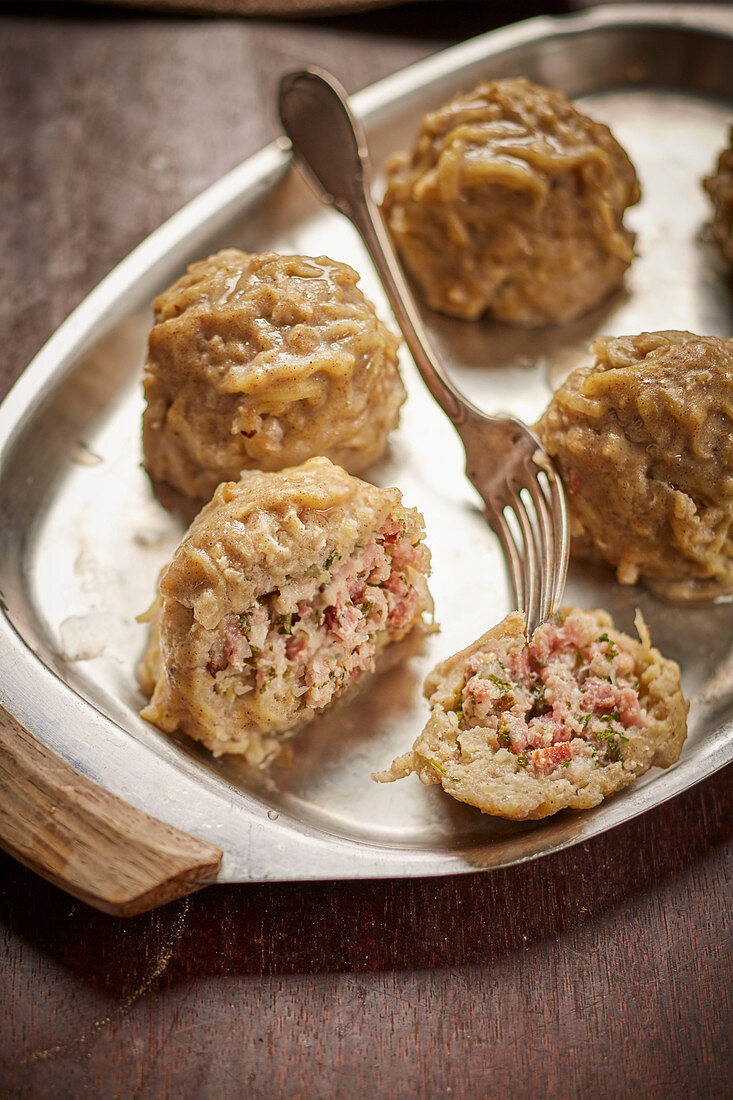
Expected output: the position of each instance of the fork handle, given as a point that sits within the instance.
(329, 144)
(373, 232)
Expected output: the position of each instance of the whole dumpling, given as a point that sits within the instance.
(643, 440)
(261, 362)
(512, 202)
(720, 188)
(523, 728)
(280, 596)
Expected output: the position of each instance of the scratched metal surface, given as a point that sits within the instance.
(82, 538)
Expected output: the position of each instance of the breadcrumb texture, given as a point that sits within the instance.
(643, 440)
(261, 362)
(522, 730)
(720, 188)
(280, 596)
(512, 202)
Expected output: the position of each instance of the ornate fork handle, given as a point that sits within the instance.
(503, 456)
(335, 157)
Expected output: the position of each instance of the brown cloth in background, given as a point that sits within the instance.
(509, 10)
(284, 8)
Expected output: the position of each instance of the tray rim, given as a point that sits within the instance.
(50, 702)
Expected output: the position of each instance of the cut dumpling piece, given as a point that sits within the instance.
(523, 729)
(643, 441)
(283, 591)
(262, 362)
(511, 201)
(720, 188)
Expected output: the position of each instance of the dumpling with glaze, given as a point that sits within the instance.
(511, 202)
(643, 440)
(719, 187)
(262, 362)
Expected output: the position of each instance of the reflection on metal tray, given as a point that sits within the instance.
(82, 538)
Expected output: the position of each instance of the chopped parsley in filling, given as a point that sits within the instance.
(561, 698)
(313, 638)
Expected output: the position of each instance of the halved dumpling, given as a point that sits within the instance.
(278, 599)
(523, 729)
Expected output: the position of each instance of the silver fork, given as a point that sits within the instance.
(505, 461)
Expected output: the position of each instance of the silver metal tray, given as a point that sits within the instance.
(82, 538)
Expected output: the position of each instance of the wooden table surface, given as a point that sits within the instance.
(604, 971)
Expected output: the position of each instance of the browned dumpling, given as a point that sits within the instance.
(720, 188)
(279, 598)
(523, 728)
(512, 202)
(261, 362)
(643, 440)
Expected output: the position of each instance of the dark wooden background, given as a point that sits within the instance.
(601, 972)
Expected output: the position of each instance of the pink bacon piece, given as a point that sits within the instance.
(329, 642)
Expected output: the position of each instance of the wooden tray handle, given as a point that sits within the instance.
(86, 840)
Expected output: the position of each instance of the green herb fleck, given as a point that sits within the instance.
(366, 607)
(612, 650)
(503, 736)
(331, 559)
(285, 623)
(438, 767)
(611, 737)
(522, 760)
(565, 764)
(613, 752)
(506, 699)
(244, 620)
(539, 702)
(586, 720)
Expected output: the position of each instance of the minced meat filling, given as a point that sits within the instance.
(556, 700)
(524, 728)
(316, 636)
